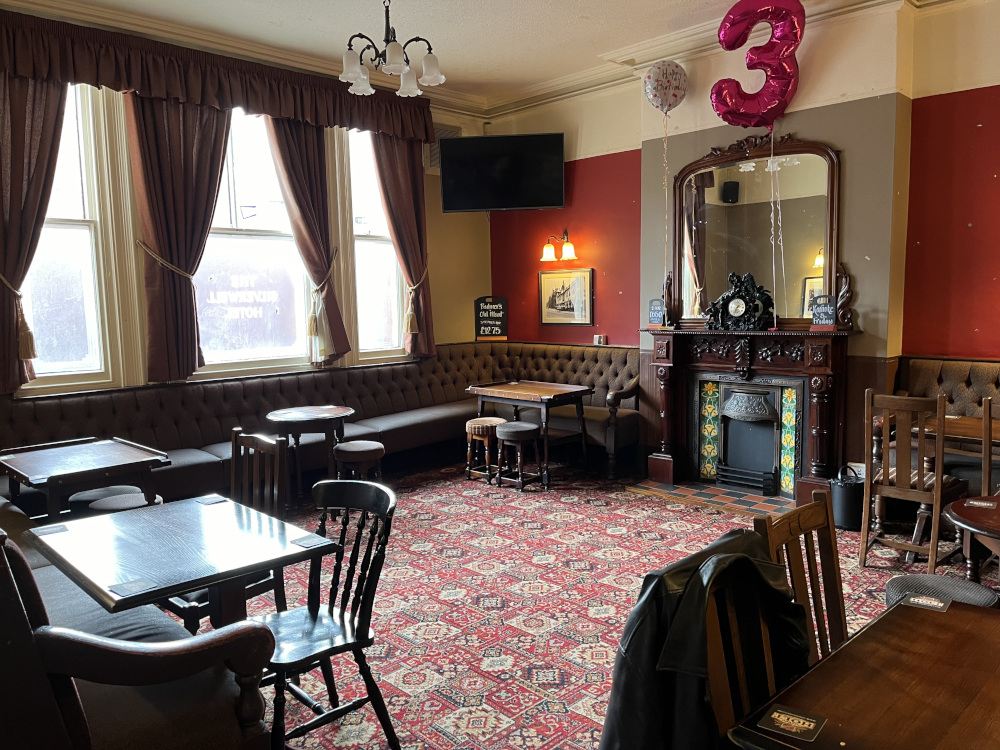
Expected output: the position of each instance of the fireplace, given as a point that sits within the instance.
(749, 432)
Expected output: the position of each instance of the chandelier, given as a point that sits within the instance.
(392, 59)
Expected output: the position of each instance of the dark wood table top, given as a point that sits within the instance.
(970, 428)
(309, 413)
(980, 515)
(158, 551)
(531, 390)
(38, 467)
(913, 678)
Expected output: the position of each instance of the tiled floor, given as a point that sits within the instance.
(709, 494)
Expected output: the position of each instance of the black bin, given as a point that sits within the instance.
(848, 498)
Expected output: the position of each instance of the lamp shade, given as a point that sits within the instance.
(432, 73)
(819, 262)
(548, 252)
(408, 84)
(395, 60)
(352, 66)
(362, 87)
(568, 251)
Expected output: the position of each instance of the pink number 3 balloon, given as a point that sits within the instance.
(776, 58)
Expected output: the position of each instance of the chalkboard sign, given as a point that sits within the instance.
(824, 310)
(656, 312)
(491, 318)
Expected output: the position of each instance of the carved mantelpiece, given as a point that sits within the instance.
(819, 357)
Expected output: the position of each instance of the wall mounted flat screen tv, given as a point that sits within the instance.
(502, 172)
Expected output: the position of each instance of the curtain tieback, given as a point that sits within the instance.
(25, 338)
(410, 319)
(312, 322)
(165, 263)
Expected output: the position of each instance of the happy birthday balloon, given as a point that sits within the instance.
(666, 84)
(776, 58)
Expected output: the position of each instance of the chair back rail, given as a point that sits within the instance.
(259, 472)
(796, 539)
(740, 663)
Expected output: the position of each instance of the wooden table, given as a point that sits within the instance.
(296, 420)
(913, 678)
(979, 516)
(969, 428)
(136, 557)
(61, 469)
(541, 395)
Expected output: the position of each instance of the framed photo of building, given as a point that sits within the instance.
(811, 286)
(566, 297)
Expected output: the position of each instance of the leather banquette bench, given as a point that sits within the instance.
(403, 406)
(965, 383)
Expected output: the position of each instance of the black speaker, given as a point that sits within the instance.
(730, 192)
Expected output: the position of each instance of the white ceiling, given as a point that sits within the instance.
(496, 50)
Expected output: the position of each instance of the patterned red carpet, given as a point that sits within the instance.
(499, 612)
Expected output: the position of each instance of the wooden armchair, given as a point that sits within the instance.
(63, 688)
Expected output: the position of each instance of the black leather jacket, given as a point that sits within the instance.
(659, 692)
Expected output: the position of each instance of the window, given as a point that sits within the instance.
(378, 278)
(61, 290)
(252, 288)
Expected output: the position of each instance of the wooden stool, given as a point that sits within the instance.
(484, 430)
(516, 434)
(359, 457)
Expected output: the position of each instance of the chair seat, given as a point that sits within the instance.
(945, 587)
(949, 483)
(515, 432)
(483, 426)
(354, 451)
(300, 637)
(108, 500)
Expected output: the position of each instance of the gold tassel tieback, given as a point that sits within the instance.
(410, 318)
(25, 338)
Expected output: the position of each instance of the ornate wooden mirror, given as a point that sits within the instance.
(723, 224)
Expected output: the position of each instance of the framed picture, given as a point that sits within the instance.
(566, 297)
(811, 286)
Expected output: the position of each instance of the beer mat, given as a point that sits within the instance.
(211, 499)
(984, 504)
(49, 529)
(132, 587)
(926, 601)
(792, 723)
(310, 541)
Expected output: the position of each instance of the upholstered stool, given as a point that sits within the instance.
(107, 500)
(358, 457)
(483, 430)
(515, 435)
(944, 587)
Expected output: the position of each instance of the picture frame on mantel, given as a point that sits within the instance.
(566, 297)
(811, 286)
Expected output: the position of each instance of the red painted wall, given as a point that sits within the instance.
(603, 218)
(951, 301)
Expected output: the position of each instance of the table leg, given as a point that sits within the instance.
(54, 499)
(583, 432)
(230, 602)
(545, 446)
(331, 465)
(145, 481)
(971, 561)
(298, 465)
(482, 406)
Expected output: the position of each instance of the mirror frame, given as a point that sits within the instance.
(756, 147)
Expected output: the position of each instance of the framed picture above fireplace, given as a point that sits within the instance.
(811, 286)
(566, 297)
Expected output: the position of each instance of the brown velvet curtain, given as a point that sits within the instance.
(31, 115)
(695, 221)
(45, 50)
(177, 152)
(299, 151)
(400, 168)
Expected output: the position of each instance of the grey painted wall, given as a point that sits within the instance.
(873, 166)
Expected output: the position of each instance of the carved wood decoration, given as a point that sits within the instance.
(668, 293)
(845, 295)
(759, 147)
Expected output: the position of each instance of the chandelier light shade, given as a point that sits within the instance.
(549, 250)
(392, 59)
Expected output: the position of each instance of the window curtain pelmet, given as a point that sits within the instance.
(299, 151)
(399, 164)
(31, 115)
(177, 153)
(47, 50)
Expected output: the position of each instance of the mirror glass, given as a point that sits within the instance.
(727, 228)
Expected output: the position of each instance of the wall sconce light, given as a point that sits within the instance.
(819, 262)
(568, 251)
